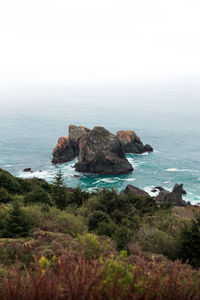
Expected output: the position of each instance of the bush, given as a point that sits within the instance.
(37, 195)
(9, 182)
(17, 224)
(190, 243)
(92, 246)
(56, 220)
(95, 218)
(152, 240)
(5, 197)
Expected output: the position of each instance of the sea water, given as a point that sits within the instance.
(32, 120)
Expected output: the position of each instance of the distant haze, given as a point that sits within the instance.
(107, 42)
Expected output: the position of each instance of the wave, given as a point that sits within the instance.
(177, 170)
(39, 174)
(148, 189)
(128, 179)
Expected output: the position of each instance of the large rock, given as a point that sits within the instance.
(101, 152)
(66, 150)
(131, 189)
(174, 197)
(76, 132)
(132, 143)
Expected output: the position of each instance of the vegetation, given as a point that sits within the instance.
(58, 243)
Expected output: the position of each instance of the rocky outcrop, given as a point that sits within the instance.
(76, 132)
(174, 197)
(68, 147)
(108, 151)
(132, 143)
(101, 152)
(131, 189)
(66, 150)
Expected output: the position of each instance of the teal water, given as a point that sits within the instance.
(31, 121)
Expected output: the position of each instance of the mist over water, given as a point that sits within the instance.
(32, 120)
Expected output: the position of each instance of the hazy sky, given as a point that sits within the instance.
(74, 42)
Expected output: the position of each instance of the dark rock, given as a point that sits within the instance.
(130, 189)
(160, 188)
(131, 142)
(101, 152)
(76, 132)
(66, 150)
(27, 170)
(154, 190)
(76, 176)
(148, 148)
(174, 197)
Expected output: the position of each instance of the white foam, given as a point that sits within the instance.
(148, 190)
(128, 179)
(38, 174)
(177, 170)
(155, 151)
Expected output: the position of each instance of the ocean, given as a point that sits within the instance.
(32, 120)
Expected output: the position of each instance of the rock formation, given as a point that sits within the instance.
(68, 147)
(132, 143)
(174, 197)
(130, 189)
(66, 150)
(101, 152)
(76, 132)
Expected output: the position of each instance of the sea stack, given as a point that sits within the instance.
(132, 143)
(66, 150)
(102, 152)
(68, 147)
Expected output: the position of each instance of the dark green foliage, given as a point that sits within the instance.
(190, 246)
(107, 229)
(5, 197)
(77, 197)
(59, 192)
(144, 205)
(9, 182)
(95, 218)
(16, 224)
(122, 235)
(37, 196)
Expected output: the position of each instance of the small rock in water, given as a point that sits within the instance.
(27, 170)
(77, 176)
(160, 188)
(154, 190)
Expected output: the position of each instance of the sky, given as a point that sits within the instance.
(88, 42)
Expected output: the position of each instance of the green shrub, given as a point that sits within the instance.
(150, 239)
(17, 224)
(56, 220)
(95, 218)
(190, 242)
(37, 195)
(92, 246)
(9, 182)
(5, 197)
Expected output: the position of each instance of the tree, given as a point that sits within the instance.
(59, 193)
(17, 223)
(190, 245)
(37, 195)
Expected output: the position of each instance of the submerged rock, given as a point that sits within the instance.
(131, 189)
(27, 170)
(132, 143)
(66, 150)
(174, 197)
(101, 152)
